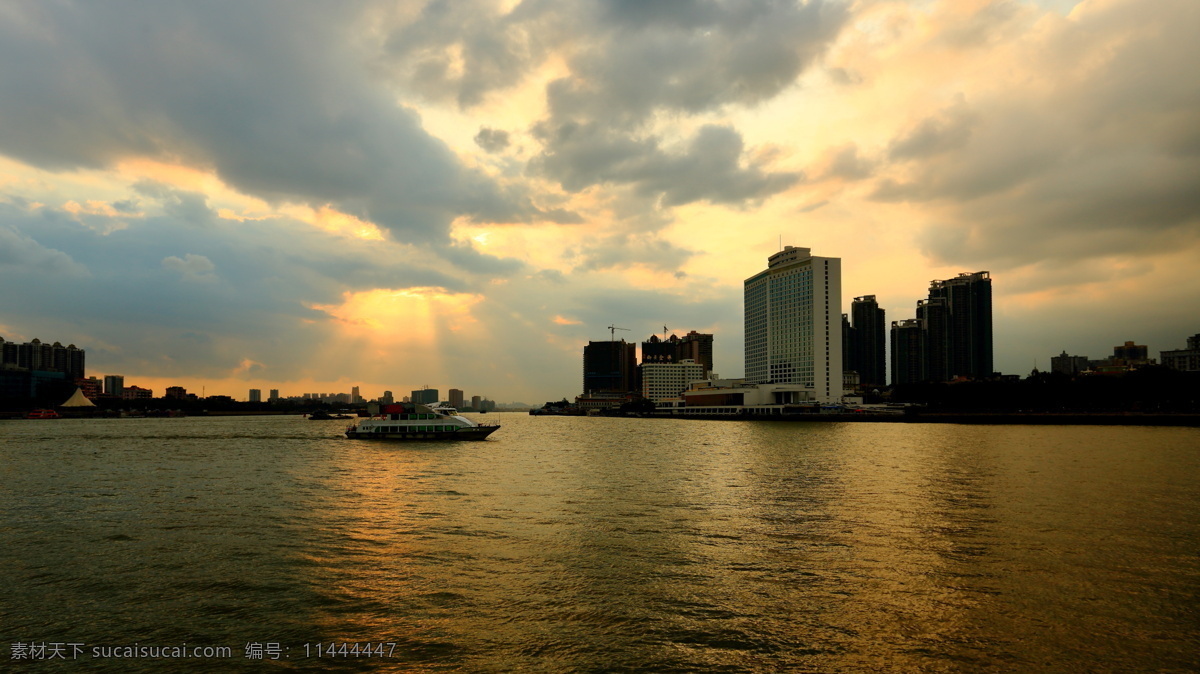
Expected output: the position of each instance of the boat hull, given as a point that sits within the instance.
(475, 433)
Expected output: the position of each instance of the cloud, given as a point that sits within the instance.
(191, 267)
(277, 99)
(627, 63)
(22, 256)
(492, 140)
(1101, 162)
(949, 130)
(709, 169)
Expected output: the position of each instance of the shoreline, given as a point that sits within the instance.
(974, 418)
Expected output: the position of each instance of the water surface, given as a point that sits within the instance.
(589, 544)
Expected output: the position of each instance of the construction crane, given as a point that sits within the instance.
(612, 329)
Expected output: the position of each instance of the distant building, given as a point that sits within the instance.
(694, 346)
(793, 331)
(609, 367)
(663, 381)
(37, 356)
(1187, 359)
(956, 325)
(274, 395)
(1133, 355)
(908, 351)
(387, 398)
(1068, 365)
(869, 340)
(176, 393)
(91, 386)
(424, 396)
(255, 395)
(476, 402)
(849, 340)
(354, 396)
(968, 327)
(136, 393)
(114, 385)
(455, 398)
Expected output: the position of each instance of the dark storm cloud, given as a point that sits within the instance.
(276, 98)
(710, 168)
(1104, 164)
(628, 61)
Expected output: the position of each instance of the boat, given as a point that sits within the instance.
(42, 414)
(412, 421)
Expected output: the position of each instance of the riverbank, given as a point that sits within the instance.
(1006, 418)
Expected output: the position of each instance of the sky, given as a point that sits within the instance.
(312, 196)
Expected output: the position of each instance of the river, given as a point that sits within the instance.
(597, 544)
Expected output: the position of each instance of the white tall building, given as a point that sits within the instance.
(793, 314)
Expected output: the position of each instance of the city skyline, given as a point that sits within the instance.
(311, 198)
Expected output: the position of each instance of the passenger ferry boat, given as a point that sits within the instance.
(410, 421)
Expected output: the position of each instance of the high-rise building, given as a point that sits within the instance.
(793, 323)
(36, 356)
(908, 351)
(114, 385)
(354, 395)
(274, 394)
(255, 395)
(387, 398)
(476, 402)
(609, 367)
(935, 321)
(849, 349)
(968, 336)
(456, 398)
(869, 341)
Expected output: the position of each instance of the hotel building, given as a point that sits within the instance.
(793, 324)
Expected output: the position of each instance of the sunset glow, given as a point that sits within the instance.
(382, 194)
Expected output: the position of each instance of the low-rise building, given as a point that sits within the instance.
(667, 380)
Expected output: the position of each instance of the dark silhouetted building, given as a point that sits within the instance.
(1131, 354)
(956, 325)
(908, 351)
(609, 367)
(968, 330)
(1068, 365)
(869, 341)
